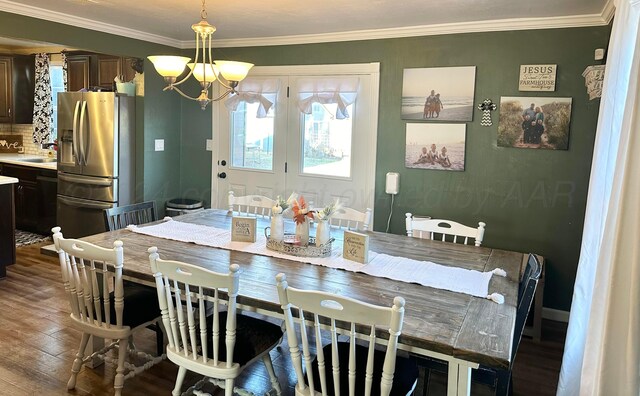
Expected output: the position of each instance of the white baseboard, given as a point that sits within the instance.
(555, 314)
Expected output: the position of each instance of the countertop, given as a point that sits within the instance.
(18, 159)
(7, 180)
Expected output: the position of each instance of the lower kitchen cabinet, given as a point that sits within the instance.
(35, 197)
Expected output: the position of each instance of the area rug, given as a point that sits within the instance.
(27, 238)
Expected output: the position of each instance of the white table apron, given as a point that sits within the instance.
(426, 273)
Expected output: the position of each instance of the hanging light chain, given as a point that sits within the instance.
(203, 12)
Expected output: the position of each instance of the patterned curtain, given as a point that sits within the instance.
(42, 107)
(65, 67)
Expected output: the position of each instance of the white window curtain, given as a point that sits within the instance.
(42, 106)
(602, 349)
(331, 90)
(255, 90)
(65, 68)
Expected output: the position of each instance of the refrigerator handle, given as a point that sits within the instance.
(83, 125)
(84, 204)
(76, 153)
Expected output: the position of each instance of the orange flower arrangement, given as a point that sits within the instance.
(301, 210)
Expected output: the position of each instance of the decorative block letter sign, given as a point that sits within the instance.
(537, 78)
(243, 229)
(356, 247)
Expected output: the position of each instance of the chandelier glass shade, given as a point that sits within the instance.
(203, 68)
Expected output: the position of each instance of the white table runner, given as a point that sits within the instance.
(402, 269)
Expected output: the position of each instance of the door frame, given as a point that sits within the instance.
(370, 70)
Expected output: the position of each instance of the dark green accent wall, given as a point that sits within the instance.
(531, 200)
(157, 115)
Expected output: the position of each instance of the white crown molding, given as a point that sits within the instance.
(54, 16)
(604, 18)
(425, 30)
(608, 11)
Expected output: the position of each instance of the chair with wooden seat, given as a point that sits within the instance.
(444, 230)
(351, 219)
(346, 368)
(104, 309)
(501, 380)
(256, 205)
(218, 346)
(122, 216)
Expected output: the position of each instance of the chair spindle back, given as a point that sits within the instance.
(256, 205)
(88, 281)
(323, 309)
(444, 230)
(180, 283)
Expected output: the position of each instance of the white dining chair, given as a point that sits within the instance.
(256, 205)
(351, 219)
(197, 342)
(346, 368)
(444, 230)
(102, 307)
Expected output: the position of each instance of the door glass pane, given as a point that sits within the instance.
(252, 137)
(327, 142)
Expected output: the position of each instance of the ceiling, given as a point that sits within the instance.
(256, 22)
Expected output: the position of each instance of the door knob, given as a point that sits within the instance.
(223, 163)
(222, 175)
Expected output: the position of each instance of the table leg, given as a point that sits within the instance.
(95, 344)
(459, 379)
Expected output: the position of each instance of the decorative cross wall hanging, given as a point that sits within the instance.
(487, 106)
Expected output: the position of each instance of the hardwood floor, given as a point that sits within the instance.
(38, 346)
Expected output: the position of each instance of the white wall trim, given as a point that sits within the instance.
(586, 20)
(601, 19)
(59, 17)
(555, 314)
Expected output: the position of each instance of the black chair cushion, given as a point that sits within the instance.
(140, 305)
(253, 336)
(404, 378)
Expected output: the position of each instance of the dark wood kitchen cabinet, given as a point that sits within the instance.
(35, 197)
(7, 229)
(90, 70)
(17, 83)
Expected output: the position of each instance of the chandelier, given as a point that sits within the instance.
(227, 73)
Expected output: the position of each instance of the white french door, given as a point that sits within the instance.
(319, 152)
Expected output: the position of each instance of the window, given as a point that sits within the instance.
(327, 141)
(57, 85)
(252, 137)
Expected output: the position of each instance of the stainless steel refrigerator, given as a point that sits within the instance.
(96, 159)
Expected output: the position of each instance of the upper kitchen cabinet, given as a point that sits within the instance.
(17, 82)
(78, 72)
(87, 70)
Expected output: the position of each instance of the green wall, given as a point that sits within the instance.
(157, 115)
(531, 200)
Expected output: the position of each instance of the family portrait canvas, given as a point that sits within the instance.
(435, 146)
(438, 93)
(534, 122)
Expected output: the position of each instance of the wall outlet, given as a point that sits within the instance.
(209, 145)
(159, 144)
(393, 183)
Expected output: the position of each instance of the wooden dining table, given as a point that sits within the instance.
(463, 330)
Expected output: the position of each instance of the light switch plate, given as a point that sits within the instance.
(159, 144)
(209, 145)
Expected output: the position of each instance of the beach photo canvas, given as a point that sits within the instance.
(435, 146)
(438, 93)
(534, 122)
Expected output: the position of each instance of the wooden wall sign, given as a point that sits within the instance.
(10, 143)
(538, 78)
(356, 247)
(243, 229)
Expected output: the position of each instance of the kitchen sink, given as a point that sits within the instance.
(39, 160)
